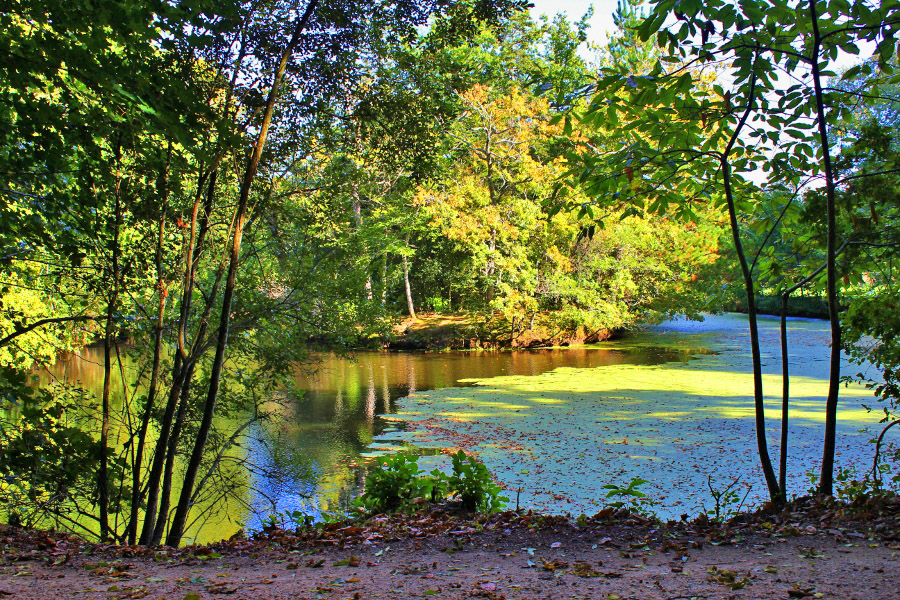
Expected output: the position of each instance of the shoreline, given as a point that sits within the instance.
(432, 331)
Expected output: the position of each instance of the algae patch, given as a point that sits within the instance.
(560, 436)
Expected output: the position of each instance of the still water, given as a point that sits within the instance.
(661, 383)
(337, 420)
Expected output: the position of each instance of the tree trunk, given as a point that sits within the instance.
(178, 369)
(409, 298)
(491, 265)
(177, 426)
(103, 472)
(785, 399)
(384, 279)
(159, 455)
(172, 450)
(138, 466)
(758, 400)
(785, 375)
(184, 503)
(826, 481)
(357, 213)
(184, 358)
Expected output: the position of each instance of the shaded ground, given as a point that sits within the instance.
(813, 553)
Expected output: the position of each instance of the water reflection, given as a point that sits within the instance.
(313, 456)
(337, 409)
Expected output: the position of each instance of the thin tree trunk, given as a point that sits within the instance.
(785, 399)
(785, 374)
(190, 257)
(168, 471)
(357, 212)
(178, 371)
(409, 298)
(826, 481)
(159, 455)
(384, 282)
(184, 359)
(103, 473)
(138, 466)
(758, 400)
(178, 425)
(491, 265)
(184, 503)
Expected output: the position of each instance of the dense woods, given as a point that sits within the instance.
(209, 189)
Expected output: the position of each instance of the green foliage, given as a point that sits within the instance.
(870, 211)
(632, 498)
(48, 461)
(439, 305)
(727, 500)
(398, 485)
(124, 144)
(850, 487)
(472, 482)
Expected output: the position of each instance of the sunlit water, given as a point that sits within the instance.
(687, 427)
(671, 404)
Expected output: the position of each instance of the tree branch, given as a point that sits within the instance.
(20, 330)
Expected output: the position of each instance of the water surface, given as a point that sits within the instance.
(554, 440)
(671, 404)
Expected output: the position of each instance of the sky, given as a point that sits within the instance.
(601, 22)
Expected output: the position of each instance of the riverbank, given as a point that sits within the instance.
(434, 331)
(809, 550)
(809, 307)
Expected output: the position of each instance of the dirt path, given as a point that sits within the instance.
(513, 558)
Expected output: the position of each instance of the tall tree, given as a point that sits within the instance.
(687, 139)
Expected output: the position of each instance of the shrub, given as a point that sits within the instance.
(398, 484)
(395, 485)
(439, 305)
(472, 481)
(633, 498)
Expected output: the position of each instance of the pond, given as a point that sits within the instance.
(670, 404)
(685, 426)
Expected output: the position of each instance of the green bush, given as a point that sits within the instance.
(472, 481)
(439, 305)
(398, 484)
(633, 498)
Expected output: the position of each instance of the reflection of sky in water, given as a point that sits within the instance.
(279, 493)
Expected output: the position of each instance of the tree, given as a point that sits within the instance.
(689, 142)
(142, 143)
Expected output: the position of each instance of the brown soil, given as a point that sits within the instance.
(810, 552)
